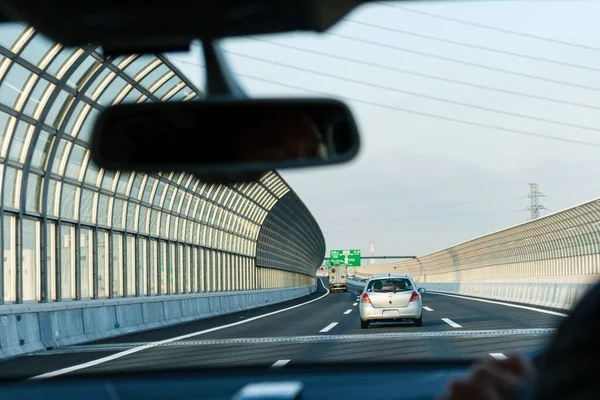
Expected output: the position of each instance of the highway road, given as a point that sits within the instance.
(322, 327)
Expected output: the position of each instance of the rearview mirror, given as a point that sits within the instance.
(216, 137)
(421, 290)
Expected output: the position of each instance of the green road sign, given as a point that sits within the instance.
(336, 262)
(350, 258)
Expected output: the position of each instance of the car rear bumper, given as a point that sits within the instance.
(370, 313)
(339, 286)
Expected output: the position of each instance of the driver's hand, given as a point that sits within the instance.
(491, 380)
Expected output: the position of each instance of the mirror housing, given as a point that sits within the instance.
(421, 290)
(225, 138)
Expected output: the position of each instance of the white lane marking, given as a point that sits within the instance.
(355, 304)
(329, 327)
(451, 323)
(502, 304)
(427, 308)
(348, 311)
(280, 363)
(170, 340)
(498, 356)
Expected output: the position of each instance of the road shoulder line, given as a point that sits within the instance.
(523, 307)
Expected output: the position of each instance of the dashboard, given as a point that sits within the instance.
(405, 380)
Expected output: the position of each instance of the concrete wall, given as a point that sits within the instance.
(26, 328)
(552, 295)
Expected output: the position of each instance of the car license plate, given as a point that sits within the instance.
(390, 313)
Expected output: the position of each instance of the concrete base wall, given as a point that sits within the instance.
(26, 328)
(553, 295)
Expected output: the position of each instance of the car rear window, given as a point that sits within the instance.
(389, 285)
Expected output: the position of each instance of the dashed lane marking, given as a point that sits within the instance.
(329, 327)
(451, 323)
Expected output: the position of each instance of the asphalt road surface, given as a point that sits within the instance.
(320, 327)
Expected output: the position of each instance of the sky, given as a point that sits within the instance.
(455, 102)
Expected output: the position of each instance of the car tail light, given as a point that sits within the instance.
(365, 298)
(415, 297)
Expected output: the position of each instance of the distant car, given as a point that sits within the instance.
(388, 298)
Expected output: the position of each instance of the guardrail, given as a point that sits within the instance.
(37, 327)
(354, 284)
(552, 295)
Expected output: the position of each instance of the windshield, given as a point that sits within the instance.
(478, 180)
(389, 285)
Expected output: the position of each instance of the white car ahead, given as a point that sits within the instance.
(388, 298)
